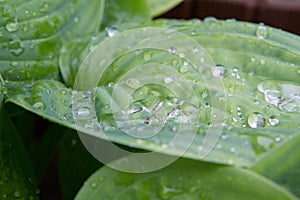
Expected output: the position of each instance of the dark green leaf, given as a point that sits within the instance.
(16, 176)
(183, 179)
(75, 164)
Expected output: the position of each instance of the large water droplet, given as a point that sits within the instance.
(218, 71)
(284, 95)
(262, 31)
(12, 27)
(274, 120)
(256, 120)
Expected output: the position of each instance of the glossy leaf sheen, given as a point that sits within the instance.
(32, 32)
(183, 179)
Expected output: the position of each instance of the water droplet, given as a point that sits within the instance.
(172, 50)
(39, 106)
(17, 194)
(218, 71)
(14, 63)
(196, 49)
(274, 120)
(94, 185)
(133, 83)
(12, 27)
(76, 19)
(111, 31)
(181, 55)
(44, 8)
(1, 34)
(262, 61)
(278, 139)
(147, 55)
(167, 192)
(256, 120)
(168, 80)
(283, 95)
(183, 69)
(262, 31)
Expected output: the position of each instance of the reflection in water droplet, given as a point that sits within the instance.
(262, 31)
(273, 120)
(278, 139)
(111, 31)
(256, 120)
(39, 106)
(85, 111)
(218, 71)
(172, 50)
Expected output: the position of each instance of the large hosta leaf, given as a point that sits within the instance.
(254, 60)
(184, 179)
(32, 32)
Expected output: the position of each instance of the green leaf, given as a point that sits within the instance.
(119, 11)
(83, 164)
(16, 176)
(32, 32)
(250, 62)
(199, 181)
(282, 166)
(158, 7)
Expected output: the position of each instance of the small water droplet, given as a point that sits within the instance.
(39, 105)
(218, 71)
(278, 139)
(274, 120)
(76, 19)
(14, 63)
(181, 55)
(262, 61)
(147, 55)
(172, 50)
(196, 49)
(168, 80)
(256, 120)
(93, 185)
(262, 31)
(17, 194)
(133, 83)
(44, 8)
(1, 34)
(111, 31)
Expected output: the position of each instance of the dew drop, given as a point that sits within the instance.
(218, 71)
(39, 105)
(181, 55)
(17, 194)
(76, 19)
(172, 50)
(93, 185)
(16, 52)
(12, 27)
(14, 63)
(111, 31)
(262, 31)
(44, 8)
(274, 120)
(168, 80)
(133, 83)
(256, 120)
(147, 55)
(183, 69)
(278, 139)
(1, 34)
